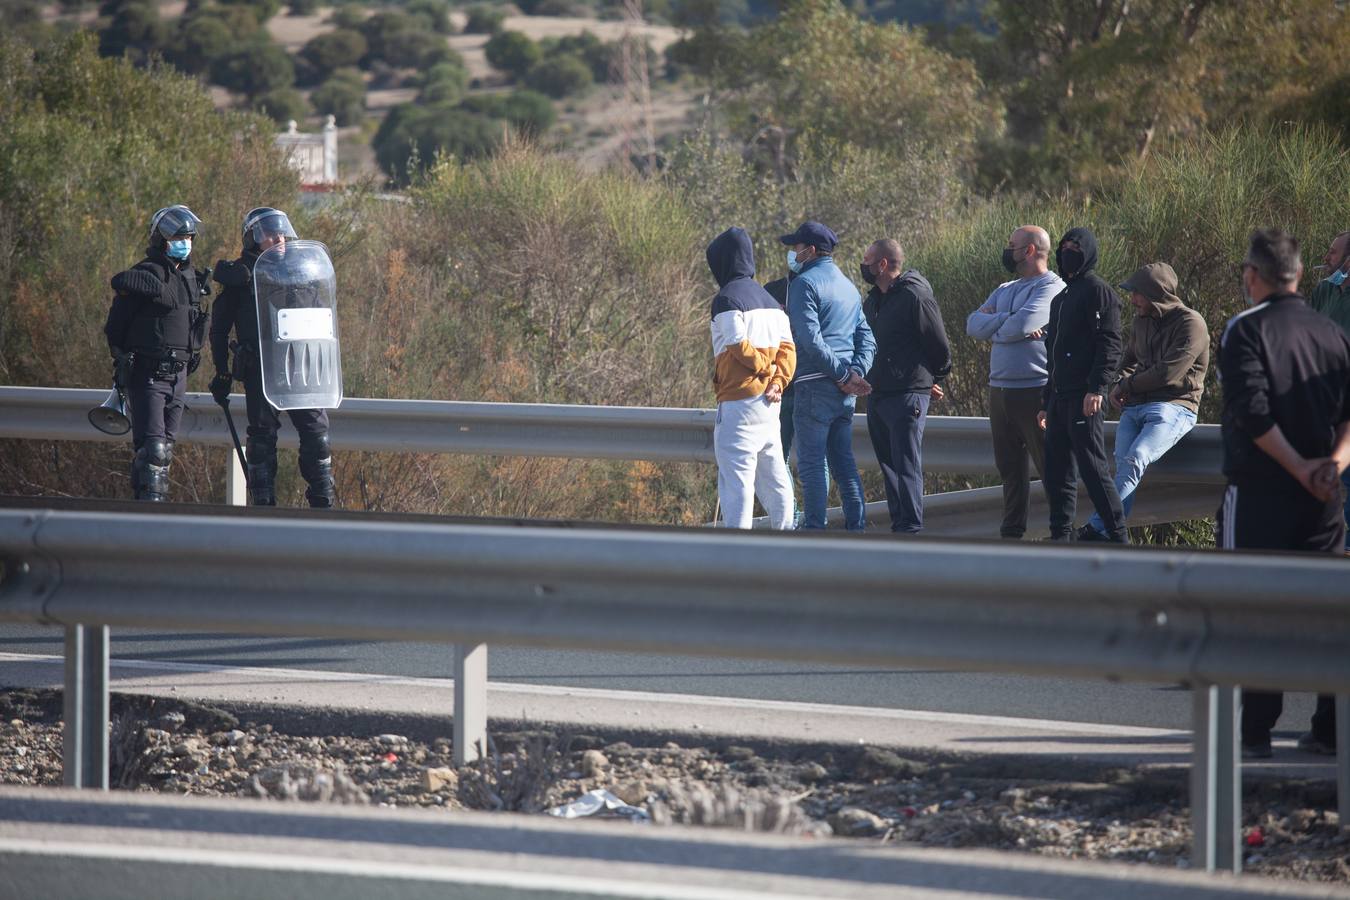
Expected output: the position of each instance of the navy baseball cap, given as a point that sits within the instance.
(813, 233)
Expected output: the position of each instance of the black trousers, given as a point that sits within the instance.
(1075, 447)
(1280, 516)
(264, 419)
(156, 401)
(1018, 441)
(895, 423)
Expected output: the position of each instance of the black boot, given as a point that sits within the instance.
(150, 470)
(262, 472)
(316, 467)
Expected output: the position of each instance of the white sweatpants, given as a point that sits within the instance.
(749, 448)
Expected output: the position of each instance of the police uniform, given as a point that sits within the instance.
(157, 323)
(236, 310)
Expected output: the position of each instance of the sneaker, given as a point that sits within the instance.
(1087, 535)
(1310, 743)
(1257, 751)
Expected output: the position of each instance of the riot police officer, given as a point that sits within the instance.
(264, 228)
(155, 331)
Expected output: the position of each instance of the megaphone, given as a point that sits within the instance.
(110, 416)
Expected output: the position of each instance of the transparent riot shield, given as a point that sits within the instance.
(295, 292)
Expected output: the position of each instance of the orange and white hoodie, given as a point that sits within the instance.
(751, 337)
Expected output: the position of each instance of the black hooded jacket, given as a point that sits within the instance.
(235, 308)
(1082, 340)
(156, 306)
(751, 337)
(912, 349)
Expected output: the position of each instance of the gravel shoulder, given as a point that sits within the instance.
(1050, 808)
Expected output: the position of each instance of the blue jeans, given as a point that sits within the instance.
(1146, 431)
(822, 418)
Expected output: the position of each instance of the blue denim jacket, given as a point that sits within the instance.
(828, 325)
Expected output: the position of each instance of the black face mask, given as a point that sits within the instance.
(867, 275)
(1069, 261)
(1009, 260)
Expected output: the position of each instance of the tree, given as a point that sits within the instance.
(484, 19)
(821, 75)
(560, 76)
(411, 137)
(200, 42)
(136, 31)
(342, 96)
(436, 13)
(530, 112)
(283, 105)
(1092, 86)
(255, 70)
(512, 52)
(444, 83)
(333, 50)
(348, 16)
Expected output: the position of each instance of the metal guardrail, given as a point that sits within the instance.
(1212, 620)
(952, 444)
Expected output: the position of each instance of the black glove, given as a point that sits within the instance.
(122, 363)
(220, 386)
(203, 282)
(194, 361)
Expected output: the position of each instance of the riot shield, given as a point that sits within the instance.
(295, 292)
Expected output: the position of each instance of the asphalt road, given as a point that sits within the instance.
(979, 693)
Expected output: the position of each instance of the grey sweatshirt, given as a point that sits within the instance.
(1019, 308)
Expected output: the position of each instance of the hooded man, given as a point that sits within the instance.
(1161, 380)
(1082, 343)
(912, 358)
(754, 358)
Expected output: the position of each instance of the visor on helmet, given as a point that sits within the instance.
(174, 222)
(267, 223)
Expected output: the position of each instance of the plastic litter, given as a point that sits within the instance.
(599, 801)
(1256, 838)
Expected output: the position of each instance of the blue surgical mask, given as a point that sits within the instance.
(793, 265)
(178, 249)
(1337, 278)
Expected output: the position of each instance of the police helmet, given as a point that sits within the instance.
(263, 222)
(174, 222)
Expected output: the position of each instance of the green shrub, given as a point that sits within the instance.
(283, 105)
(444, 84)
(435, 13)
(484, 19)
(530, 112)
(256, 69)
(342, 96)
(352, 16)
(333, 50)
(303, 7)
(136, 31)
(411, 137)
(262, 9)
(201, 41)
(560, 76)
(512, 52)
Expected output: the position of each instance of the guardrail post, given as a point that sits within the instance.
(470, 703)
(1343, 758)
(1216, 780)
(84, 740)
(236, 482)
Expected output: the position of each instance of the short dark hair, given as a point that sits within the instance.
(890, 249)
(1273, 253)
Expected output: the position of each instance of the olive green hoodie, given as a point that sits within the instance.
(1168, 350)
